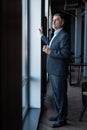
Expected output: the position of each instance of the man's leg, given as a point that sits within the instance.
(59, 85)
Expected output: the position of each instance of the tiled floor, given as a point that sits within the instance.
(74, 110)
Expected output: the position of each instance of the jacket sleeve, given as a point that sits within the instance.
(64, 49)
(45, 39)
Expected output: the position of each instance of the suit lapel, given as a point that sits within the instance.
(58, 37)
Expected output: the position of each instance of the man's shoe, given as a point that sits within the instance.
(54, 118)
(57, 124)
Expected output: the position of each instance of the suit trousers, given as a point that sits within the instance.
(59, 87)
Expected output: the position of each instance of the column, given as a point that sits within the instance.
(78, 25)
(85, 40)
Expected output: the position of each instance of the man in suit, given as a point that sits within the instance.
(58, 52)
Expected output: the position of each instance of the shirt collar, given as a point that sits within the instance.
(57, 31)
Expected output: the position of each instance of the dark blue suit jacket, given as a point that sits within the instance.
(57, 61)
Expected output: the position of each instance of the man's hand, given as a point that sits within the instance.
(41, 31)
(46, 49)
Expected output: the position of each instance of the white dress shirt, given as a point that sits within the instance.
(55, 33)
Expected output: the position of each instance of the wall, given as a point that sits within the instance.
(10, 114)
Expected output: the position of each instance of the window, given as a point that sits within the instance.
(25, 59)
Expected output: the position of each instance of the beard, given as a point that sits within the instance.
(56, 27)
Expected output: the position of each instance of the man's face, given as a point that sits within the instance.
(57, 22)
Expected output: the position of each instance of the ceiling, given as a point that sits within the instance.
(67, 6)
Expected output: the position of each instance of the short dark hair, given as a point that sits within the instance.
(61, 15)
